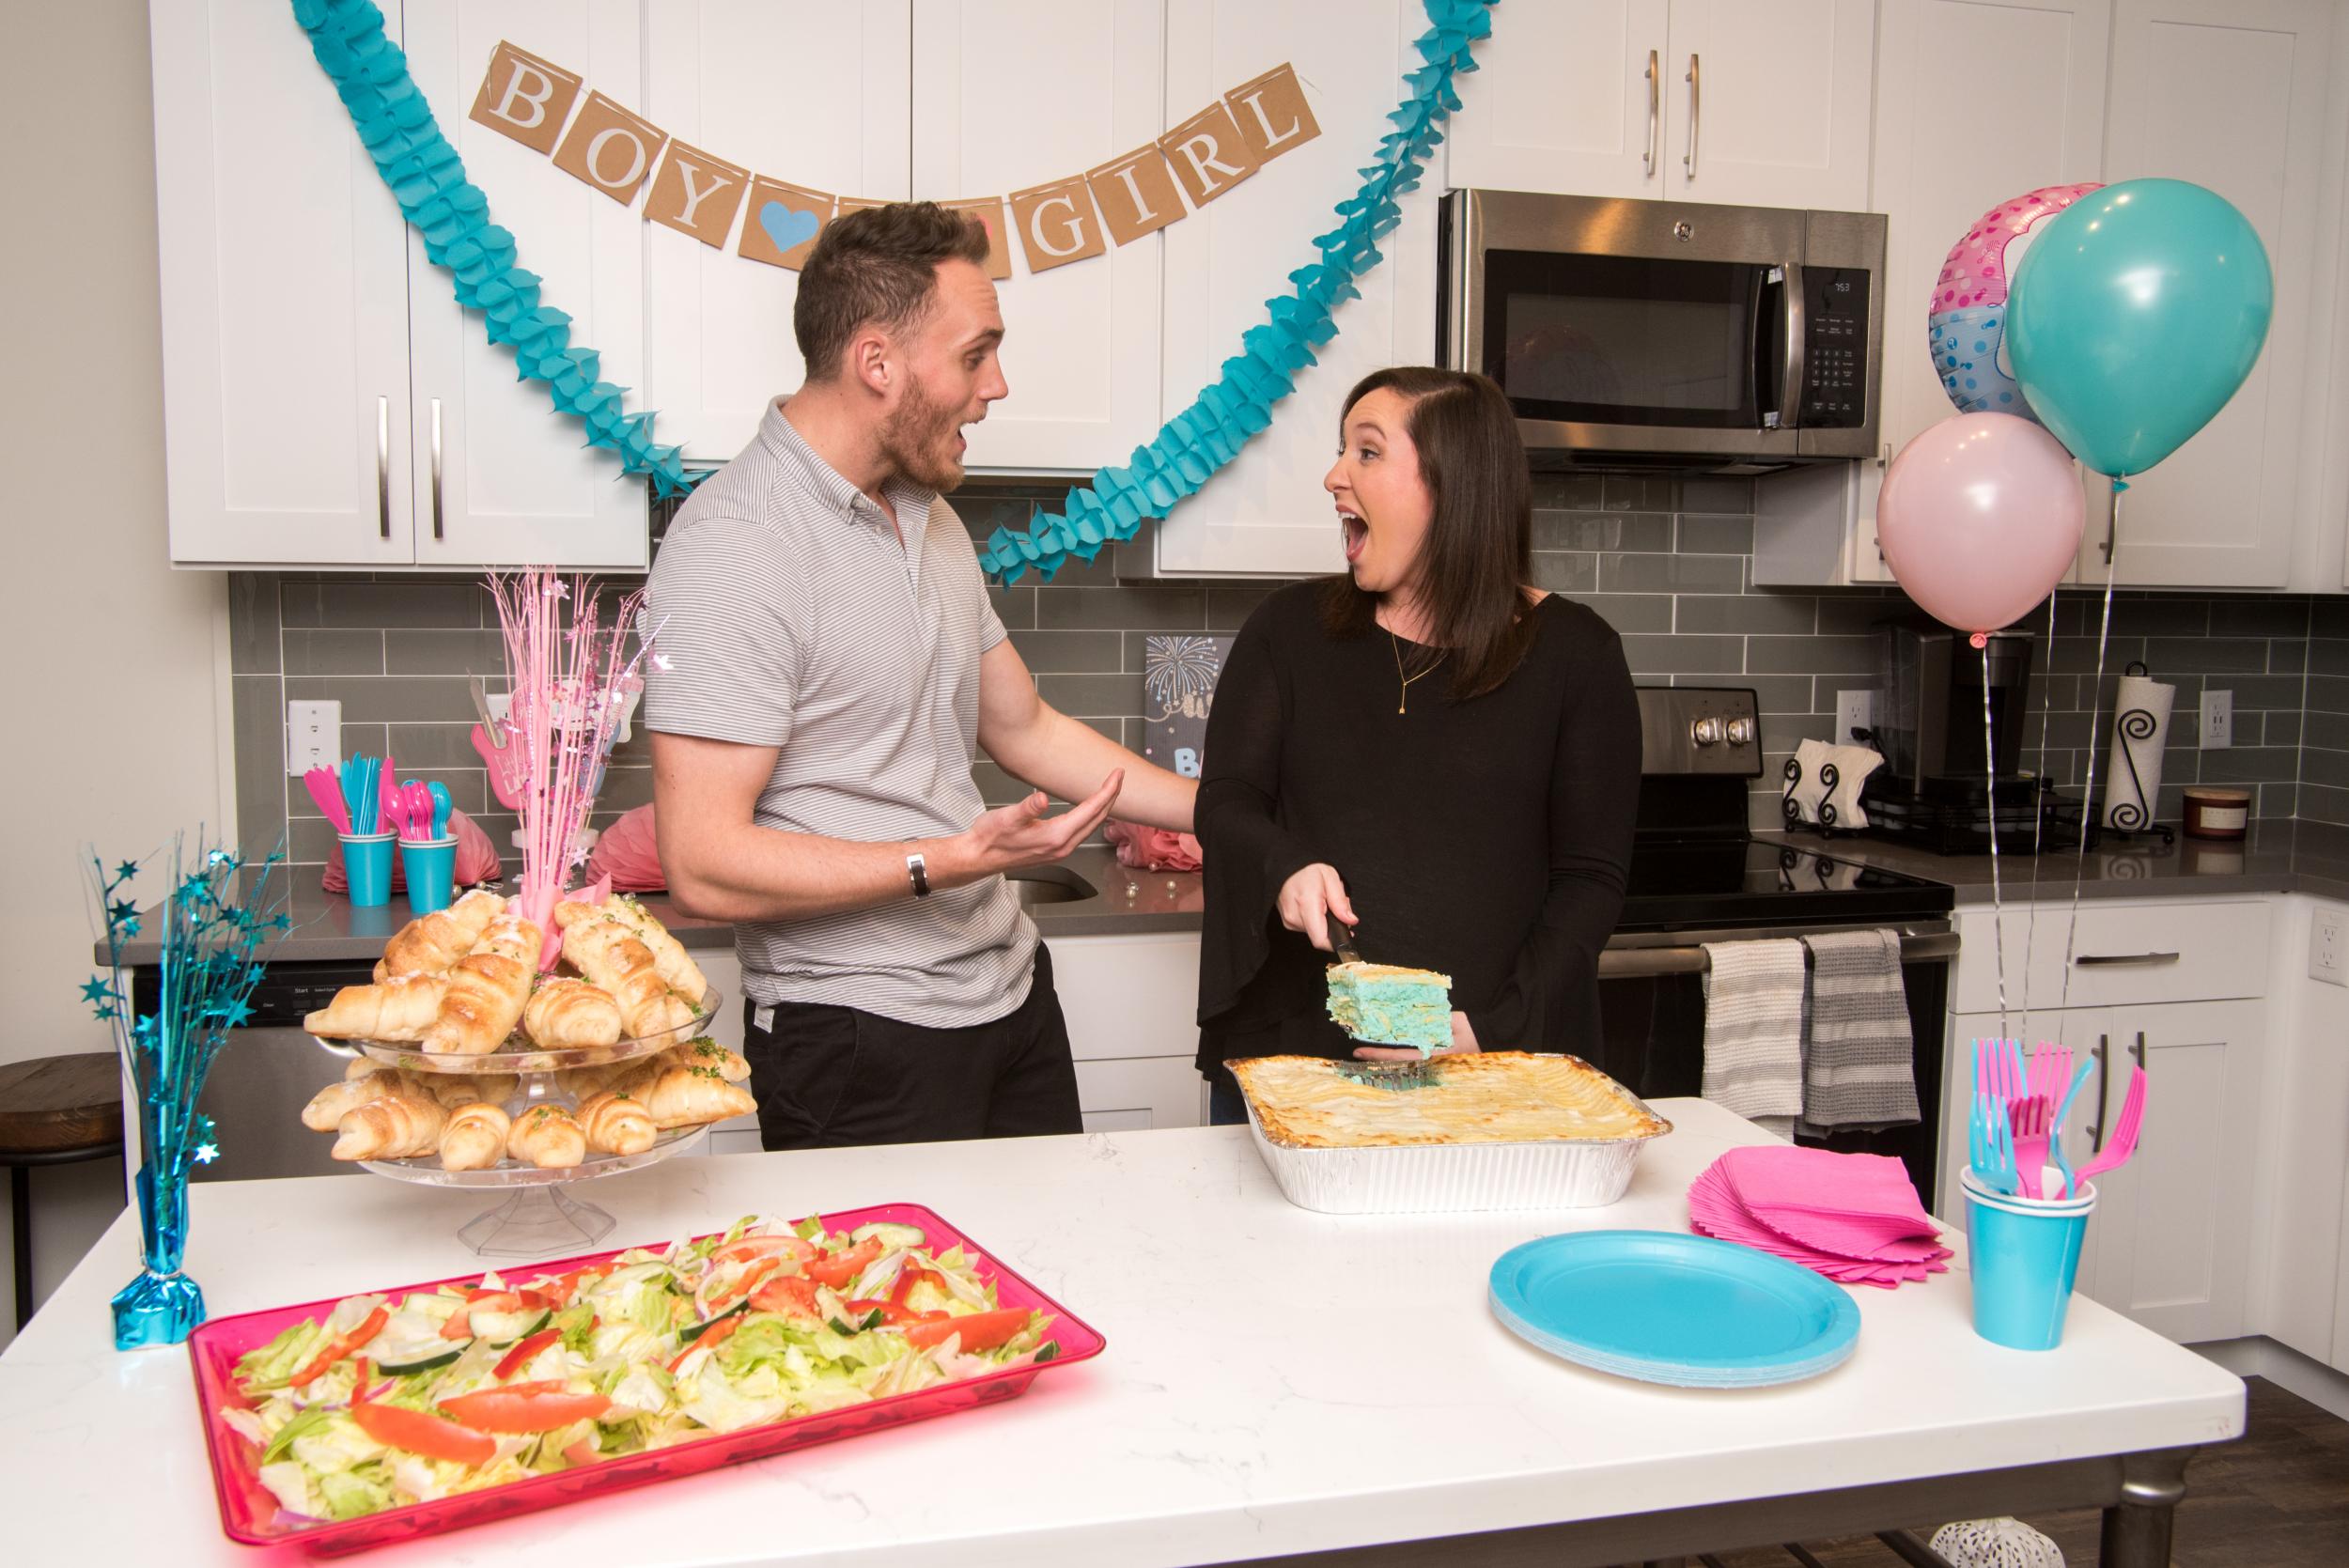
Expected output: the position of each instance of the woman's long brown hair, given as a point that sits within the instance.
(1478, 552)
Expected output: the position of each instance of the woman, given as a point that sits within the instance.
(1426, 749)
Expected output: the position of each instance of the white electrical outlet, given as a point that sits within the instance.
(313, 736)
(1854, 710)
(2329, 946)
(2217, 732)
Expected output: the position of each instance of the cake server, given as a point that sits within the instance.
(1377, 1074)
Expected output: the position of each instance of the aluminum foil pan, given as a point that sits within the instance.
(1456, 1178)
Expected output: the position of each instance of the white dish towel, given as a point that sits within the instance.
(1753, 995)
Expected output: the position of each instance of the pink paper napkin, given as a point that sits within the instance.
(1852, 1217)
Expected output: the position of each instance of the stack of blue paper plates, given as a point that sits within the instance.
(1667, 1308)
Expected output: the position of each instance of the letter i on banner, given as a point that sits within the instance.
(697, 194)
(1135, 193)
(525, 97)
(610, 148)
(1272, 113)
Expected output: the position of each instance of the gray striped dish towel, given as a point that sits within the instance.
(1858, 1057)
(1753, 1031)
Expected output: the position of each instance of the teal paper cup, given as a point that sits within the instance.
(367, 866)
(431, 867)
(2025, 1254)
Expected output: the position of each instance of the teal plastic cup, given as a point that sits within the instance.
(431, 867)
(368, 866)
(2025, 1253)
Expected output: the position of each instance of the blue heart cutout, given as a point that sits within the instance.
(787, 226)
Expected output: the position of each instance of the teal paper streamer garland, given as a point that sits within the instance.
(428, 179)
(1192, 445)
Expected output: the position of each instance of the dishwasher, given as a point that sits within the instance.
(267, 1071)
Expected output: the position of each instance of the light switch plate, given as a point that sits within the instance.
(2218, 731)
(313, 736)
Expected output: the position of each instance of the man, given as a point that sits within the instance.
(826, 656)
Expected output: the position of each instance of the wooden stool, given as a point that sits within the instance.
(53, 1110)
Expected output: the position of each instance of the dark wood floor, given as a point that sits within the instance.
(2276, 1498)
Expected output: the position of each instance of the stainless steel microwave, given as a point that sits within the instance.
(1668, 335)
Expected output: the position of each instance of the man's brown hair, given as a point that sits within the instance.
(875, 267)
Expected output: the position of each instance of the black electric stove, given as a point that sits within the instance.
(1699, 875)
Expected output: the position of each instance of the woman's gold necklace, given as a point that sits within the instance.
(1403, 698)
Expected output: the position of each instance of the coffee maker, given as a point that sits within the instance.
(1930, 713)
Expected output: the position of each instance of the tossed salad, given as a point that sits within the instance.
(384, 1403)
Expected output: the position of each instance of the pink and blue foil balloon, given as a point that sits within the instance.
(1967, 324)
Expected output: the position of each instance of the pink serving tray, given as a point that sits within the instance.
(249, 1512)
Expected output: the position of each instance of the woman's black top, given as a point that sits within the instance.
(1487, 839)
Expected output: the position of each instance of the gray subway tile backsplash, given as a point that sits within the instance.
(1667, 563)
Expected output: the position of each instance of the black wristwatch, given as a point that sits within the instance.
(920, 872)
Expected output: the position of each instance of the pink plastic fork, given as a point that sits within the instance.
(2123, 1142)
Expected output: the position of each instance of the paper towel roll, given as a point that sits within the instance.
(2132, 776)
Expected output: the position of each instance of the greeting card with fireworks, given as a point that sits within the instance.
(1178, 676)
(570, 677)
(210, 960)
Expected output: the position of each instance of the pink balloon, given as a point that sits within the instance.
(1979, 517)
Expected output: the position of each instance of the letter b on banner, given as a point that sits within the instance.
(525, 97)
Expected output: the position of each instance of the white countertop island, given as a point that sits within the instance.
(1277, 1382)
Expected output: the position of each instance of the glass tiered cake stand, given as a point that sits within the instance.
(537, 1219)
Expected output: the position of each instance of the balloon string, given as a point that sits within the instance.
(2095, 725)
(1997, 903)
(2038, 811)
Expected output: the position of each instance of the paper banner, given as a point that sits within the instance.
(1135, 193)
(1272, 115)
(427, 177)
(697, 194)
(1057, 225)
(525, 97)
(783, 222)
(610, 148)
(858, 204)
(1190, 447)
(989, 212)
(1207, 154)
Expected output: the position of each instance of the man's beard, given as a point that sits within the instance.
(913, 436)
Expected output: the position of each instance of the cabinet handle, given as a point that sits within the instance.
(383, 467)
(1655, 108)
(1884, 456)
(436, 470)
(2138, 1051)
(2117, 960)
(2096, 1133)
(1696, 85)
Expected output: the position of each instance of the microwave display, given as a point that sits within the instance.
(1835, 329)
(1626, 340)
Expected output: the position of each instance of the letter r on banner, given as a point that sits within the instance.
(525, 97)
(1209, 154)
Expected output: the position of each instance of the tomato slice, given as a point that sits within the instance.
(420, 1432)
(790, 1294)
(735, 1290)
(565, 1286)
(336, 1350)
(460, 1324)
(764, 1245)
(979, 1331)
(522, 1354)
(722, 1329)
(893, 1314)
(840, 1267)
(525, 1407)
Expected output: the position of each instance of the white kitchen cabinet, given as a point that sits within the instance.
(284, 315)
(2230, 93)
(1265, 514)
(1080, 341)
(501, 477)
(818, 96)
(1714, 101)
(1129, 1002)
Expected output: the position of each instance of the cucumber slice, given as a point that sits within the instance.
(687, 1336)
(891, 1234)
(508, 1328)
(409, 1344)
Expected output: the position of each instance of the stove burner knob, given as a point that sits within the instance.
(1705, 731)
(1741, 731)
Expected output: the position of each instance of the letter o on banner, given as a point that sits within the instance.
(610, 148)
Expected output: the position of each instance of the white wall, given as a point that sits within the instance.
(119, 678)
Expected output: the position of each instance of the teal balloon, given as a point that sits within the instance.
(2136, 316)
